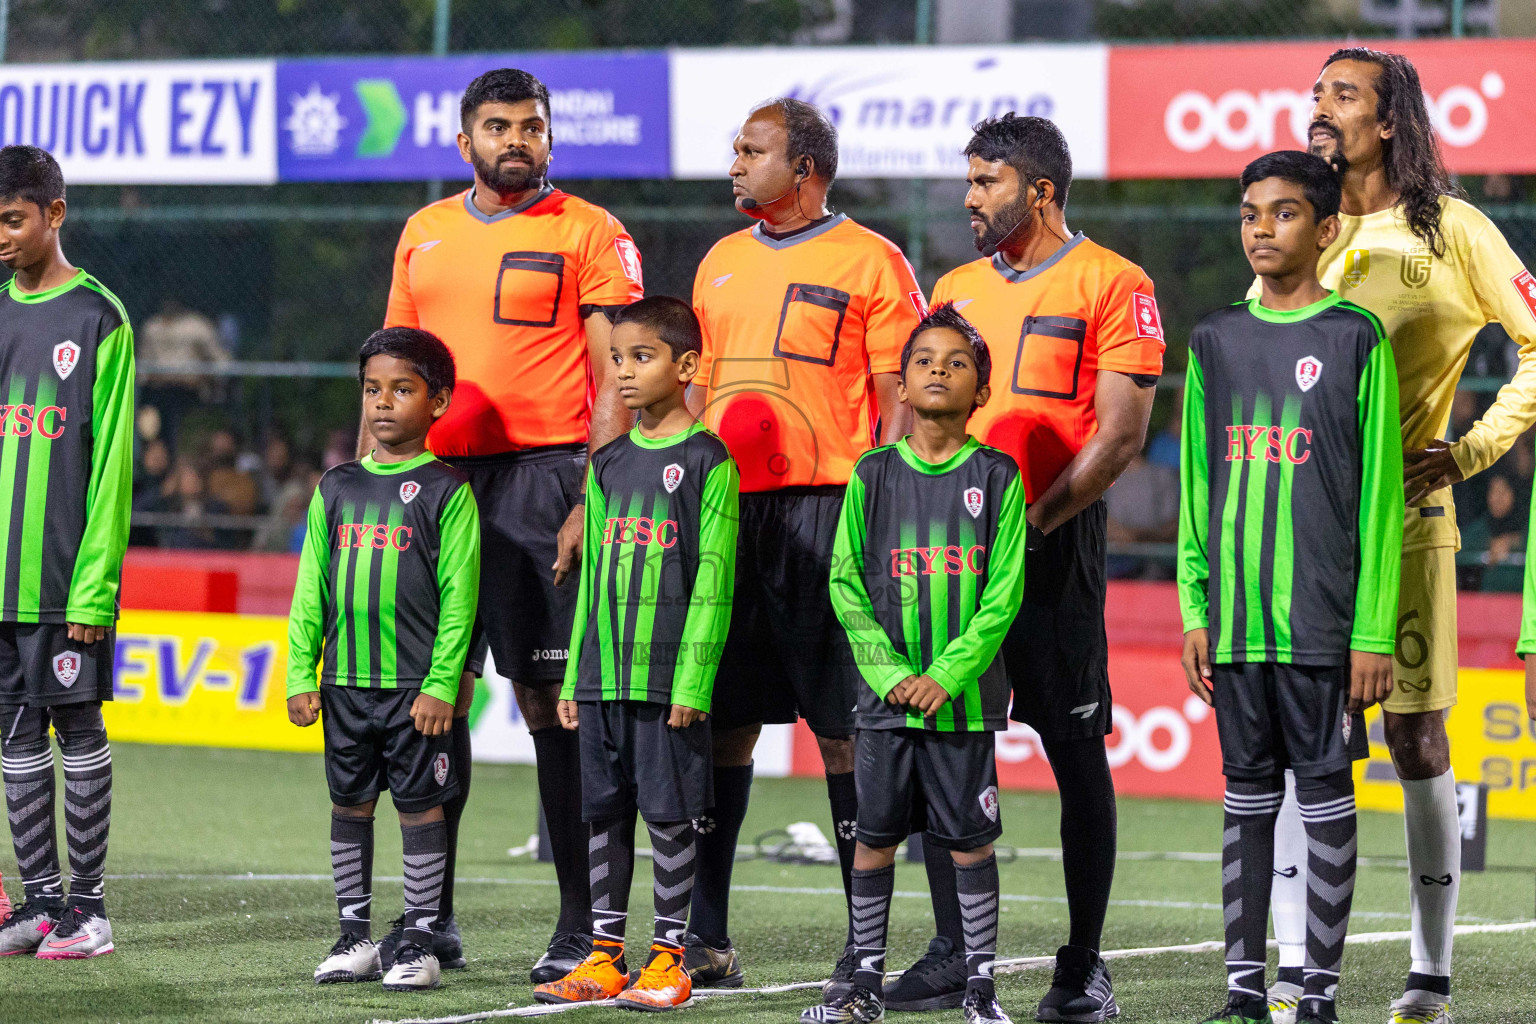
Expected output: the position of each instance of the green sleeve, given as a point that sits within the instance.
(311, 597)
(591, 550)
(1527, 642)
(968, 655)
(1194, 562)
(1381, 504)
(873, 653)
(709, 607)
(458, 593)
(109, 496)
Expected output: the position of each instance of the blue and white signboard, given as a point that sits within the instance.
(397, 119)
(164, 123)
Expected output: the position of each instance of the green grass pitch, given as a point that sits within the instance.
(197, 943)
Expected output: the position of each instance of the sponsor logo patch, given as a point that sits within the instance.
(1525, 284)
(1308, 370)
(66, 667)
(973, 500)
(1144, 311)
(66, 356)
(988, 801)
(408, 490)
(440, 769)
(916, 298)
(1357, 267)
(629, 259)
(671, 477)
(1414, 272)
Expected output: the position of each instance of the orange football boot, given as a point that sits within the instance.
(663, 985)
(600, 976)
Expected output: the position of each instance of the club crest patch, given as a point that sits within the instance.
(973, 499)
(629, 259)
(988, 800)
(1357, 266)
(1525, 285)
(671, 477)
(66, 667)
(1308, 370)
(440, 769)
(1148, 323)
(66, 356)
(408, 490)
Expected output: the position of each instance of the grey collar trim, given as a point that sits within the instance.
(1009, 274)
(804, 236)
(511, 211)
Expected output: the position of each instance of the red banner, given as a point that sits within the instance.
(1205, 111)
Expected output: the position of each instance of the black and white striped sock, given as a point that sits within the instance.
(1328, 812)
(425, 848)
(673, 861)
(1247, 861)
(871, 916)
(87, 818)
(29, 802)
(977, 886)
(610, 867)
(352, 872)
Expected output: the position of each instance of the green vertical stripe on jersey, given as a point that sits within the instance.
(623, 586)
(974, 719)
(1229, 537)
(938, 614)
(362, 583)
(1285, 540)
(29, 593)
(346, 567)
(1254, 508)
(644, 659)
(911, 614)
(389, 568)
(602, 584)
(10, 448)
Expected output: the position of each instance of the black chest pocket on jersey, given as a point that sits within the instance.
(1050, 357)
(811, 323)
(528, 287)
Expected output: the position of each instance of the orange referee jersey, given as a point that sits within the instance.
(505, 294)
(1051, 330)
(793, 329)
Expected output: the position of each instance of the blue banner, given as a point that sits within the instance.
(397, 119)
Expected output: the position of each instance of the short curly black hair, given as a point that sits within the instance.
(503, 85)
(1033, 146)
(429, 357)
(947, 316)
(671, 320)
(31, 175)
(1316, 178)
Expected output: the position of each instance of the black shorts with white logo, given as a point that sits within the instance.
(371, 744)
(632, 760)
(524, 498)
(41, 666)
(786, 655)
(1056, 651)
(1271, 717)
(942, 782)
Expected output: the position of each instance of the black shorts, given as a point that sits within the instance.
(631, 760)
(371, 744)
(1056, 651)
(524, 499)
(786, 655)
(41, 666)
(946, 780)
(1271, 717)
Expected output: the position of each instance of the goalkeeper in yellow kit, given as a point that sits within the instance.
(1435, 271)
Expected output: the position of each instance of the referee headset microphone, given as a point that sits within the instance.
(801, 170)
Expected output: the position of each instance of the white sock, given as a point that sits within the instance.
(1434, 869)
(1288, 891)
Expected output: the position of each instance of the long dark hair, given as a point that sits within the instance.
(1415, 169)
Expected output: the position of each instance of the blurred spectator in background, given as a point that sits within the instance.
(184, 492)
(288, 511)
(177, 336)
(1498, 533)
(1163, 449)
(1143, 508)
(340, 446)
(148, 478)
(274, 471)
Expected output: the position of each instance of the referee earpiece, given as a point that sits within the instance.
(803, 169)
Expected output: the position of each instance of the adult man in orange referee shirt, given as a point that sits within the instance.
(804, 318)
(1075, 330)
(521, 281)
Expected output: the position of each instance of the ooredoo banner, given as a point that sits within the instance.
(1204, 111)
(901, 111)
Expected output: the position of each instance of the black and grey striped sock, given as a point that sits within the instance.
(29, 802)
(425, 848)
(1247, 862)
(87, 818)
(977, 886)
(673, 861)
(610, 869)
(871, 916)
(352, 872)
(1328, 812)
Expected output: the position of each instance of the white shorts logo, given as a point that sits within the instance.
(66, 668)
(1308, 370)
(988, 800)
(1348, 726)
(66, 356)
(671, 477)
(440, 769)
(409, 490)
(973, 500)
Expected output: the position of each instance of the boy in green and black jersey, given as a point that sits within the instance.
(383, 607)
(927, 575)
(1290, 537)
(66, 453)
(657, 579)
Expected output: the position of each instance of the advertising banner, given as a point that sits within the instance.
(397, 119)
(901, 111)
(163, 123)
(1205, 111)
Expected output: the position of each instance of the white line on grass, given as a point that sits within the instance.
(1009, 966)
